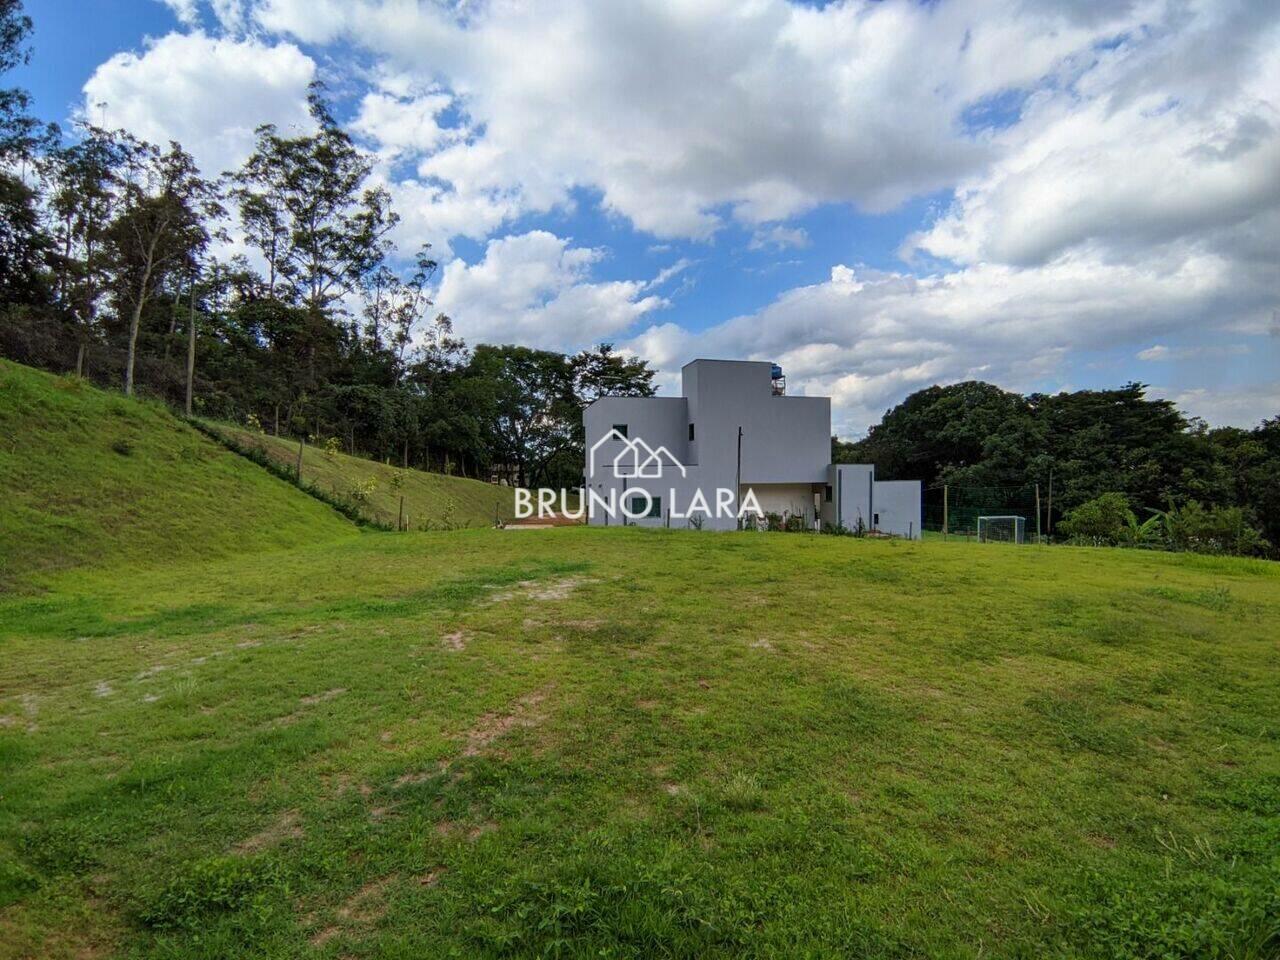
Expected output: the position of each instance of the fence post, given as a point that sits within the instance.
(302, 442)
(400, 522)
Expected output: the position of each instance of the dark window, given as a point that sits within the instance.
(655, 510)
(691, 431)
(827, 494)
(621, 428)
(875, 520)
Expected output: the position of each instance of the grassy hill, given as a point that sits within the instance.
(432, 501)
(90, 477)
(638, 743)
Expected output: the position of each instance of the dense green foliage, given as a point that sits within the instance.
(91, 477)
(1090, 443)
(495, 744)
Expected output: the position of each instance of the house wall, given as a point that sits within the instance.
(853, 494)
(785, 439)
(783, 498)
(897, 507)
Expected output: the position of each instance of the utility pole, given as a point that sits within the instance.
(737, 489)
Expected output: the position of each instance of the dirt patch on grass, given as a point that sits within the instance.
(315, 698)
(421, 776)
(523, 713)
(286, 827)
(762, 644)
(456, 641)
(366, 906)
(452, 830)
(542, 589)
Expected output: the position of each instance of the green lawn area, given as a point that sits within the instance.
(91, 477)
(432, 501)
(635, 743)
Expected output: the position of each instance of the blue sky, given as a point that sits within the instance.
(880, 196)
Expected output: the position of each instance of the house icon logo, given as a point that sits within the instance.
(636, 460)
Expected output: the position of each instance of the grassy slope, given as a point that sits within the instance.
(669, 744)
(431, 500)
(92, 477)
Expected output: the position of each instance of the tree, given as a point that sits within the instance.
(602, 372)
(528, 403)
(23, 244)
(303, 205)
(159, 232)
(83, 179)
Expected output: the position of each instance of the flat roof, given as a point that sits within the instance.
(619, 396)
(716, 360)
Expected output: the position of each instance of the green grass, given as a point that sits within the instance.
(634, 743)
(91, 477)
(432, 501)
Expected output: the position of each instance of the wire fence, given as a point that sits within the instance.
(954, 510)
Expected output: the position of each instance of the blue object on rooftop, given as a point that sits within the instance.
(777, 372)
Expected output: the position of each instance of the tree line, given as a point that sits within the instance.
(111, 267)
(1135, 469)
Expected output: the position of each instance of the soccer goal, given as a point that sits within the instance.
(1002, 529)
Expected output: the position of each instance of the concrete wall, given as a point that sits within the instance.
(853, 485)
(784, 439)
(783, 498)
(897, 506)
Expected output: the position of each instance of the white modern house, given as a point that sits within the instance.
(735, 436)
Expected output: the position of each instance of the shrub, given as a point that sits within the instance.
(1101, 521)
(216, 885)
(1202, 529)
(795, 523)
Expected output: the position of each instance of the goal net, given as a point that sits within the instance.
(1002, 529)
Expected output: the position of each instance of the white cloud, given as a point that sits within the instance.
(673, 109)
(1157, 141)
(1159, 352)
(187, 11)
(867, 338)
(207, 93)
(403, 124)
(535, 289)
(778, 237)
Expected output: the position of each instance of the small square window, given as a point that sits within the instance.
(827, 494)
(691, 432)
(620, 428)
(655, 508)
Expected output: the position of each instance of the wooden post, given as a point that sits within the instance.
(945, 506)
(302, 442)
(400, 522)
(191, 350)
(1037, 513)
